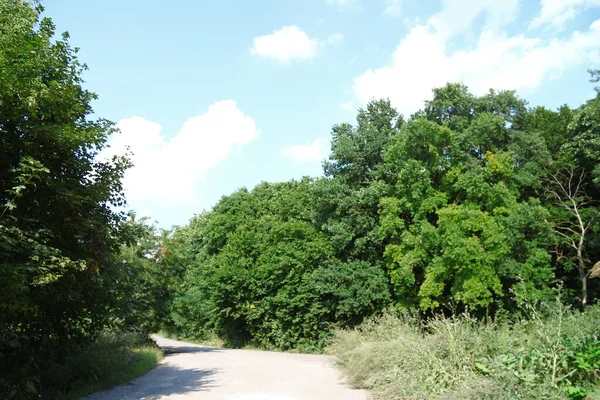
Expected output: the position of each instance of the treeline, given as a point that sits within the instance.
(471, 203)
(70, 266)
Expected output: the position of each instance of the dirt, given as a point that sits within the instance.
(191, 371)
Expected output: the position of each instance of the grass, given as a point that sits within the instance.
(146, 359)
(212, 341)
(552, 352)
(113, 359)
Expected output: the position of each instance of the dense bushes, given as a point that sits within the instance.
(263, 273)
(551, 352)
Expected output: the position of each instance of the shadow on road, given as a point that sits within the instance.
(188, 349)
(165, 380)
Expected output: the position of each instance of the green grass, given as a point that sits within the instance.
(553, 353)
(212, 341)
(146, 359)
(113, 359)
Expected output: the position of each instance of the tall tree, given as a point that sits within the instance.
(59, 235)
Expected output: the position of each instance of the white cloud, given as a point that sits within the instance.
(167, 171)
(344, 5)
(457, 16)
(311, 152)
(393, 8)
(347, 105)
(290, 43)
(423, 61)
(557, 12)
(335, 38)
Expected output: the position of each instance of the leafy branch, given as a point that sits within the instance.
(29, 171)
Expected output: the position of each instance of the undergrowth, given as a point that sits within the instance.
(550, 352)
(113, 358)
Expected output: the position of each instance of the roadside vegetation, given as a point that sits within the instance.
(112, 359)
(548, 351)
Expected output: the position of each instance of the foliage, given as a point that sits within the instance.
(466, 217)
(149, 276)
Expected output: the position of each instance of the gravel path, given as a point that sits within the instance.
(191, 371)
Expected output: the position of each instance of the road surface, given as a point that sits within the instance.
(191, 371)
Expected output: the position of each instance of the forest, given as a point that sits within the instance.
(473, 209)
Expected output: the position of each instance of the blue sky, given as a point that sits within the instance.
(212, 96)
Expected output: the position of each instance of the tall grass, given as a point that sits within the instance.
(552, 352)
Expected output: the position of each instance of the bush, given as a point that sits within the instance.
(553, 353)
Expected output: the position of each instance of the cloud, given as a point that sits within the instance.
(423, 59)
(393, 8)
(556, 13)
(344, 5)
(335, 38)
(290, 43)
(312, 152)
(167, 171)
(457, 16)
(347, 105)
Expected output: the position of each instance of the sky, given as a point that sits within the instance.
(212, 96)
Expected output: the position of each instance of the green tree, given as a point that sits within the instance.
(357, 152)
(59, 235)
(459, 223)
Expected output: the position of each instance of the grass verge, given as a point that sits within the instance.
(113, 359)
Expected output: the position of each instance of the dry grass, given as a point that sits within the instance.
(396, 357)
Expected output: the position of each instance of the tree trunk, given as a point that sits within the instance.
(584, 293)
(582, 271)
(584, 277)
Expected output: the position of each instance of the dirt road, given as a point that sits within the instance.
(191, 371)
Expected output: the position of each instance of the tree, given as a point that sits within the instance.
(59, 235)
(357, 152)
(459, 222)
(262, 271)
(574, 219)
(572, 182)
(595, 78)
